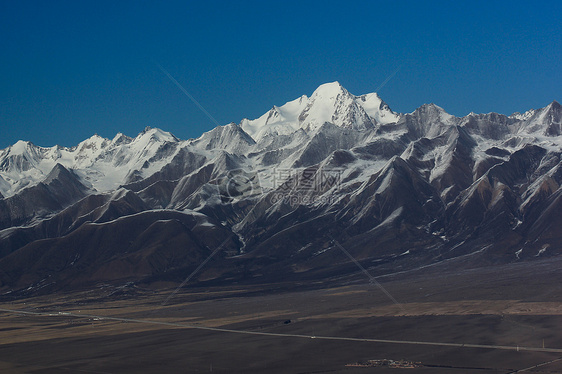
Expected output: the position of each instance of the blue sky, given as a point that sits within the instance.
(70, 69)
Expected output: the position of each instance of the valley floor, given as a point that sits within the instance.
(489, 320)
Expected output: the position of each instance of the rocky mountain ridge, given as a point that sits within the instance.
(399, 191)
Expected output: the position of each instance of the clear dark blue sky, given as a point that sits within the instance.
(70, 69)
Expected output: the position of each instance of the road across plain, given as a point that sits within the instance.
(282, 335)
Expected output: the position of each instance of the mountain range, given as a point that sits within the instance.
(279, 194)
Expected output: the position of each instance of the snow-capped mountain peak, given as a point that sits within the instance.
(155, 134)
(281, 120)
(329, 91)
(120, 139)
(334, 104)
(329, 103)
(546, 121)
(376, 108)
(230, 137)
(21, 147)
(88, 150)
(102, 163)
(23, 155)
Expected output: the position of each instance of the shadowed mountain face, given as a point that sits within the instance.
(59, 189)
(398, 191)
